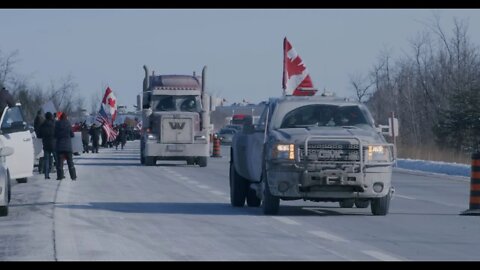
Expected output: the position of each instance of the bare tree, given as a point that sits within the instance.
(361, 85)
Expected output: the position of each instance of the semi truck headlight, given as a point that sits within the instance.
(377, 153)
(151, 136)
(284, 151)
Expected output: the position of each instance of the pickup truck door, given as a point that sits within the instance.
(15, 133)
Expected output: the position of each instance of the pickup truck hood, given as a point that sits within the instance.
(298, 135)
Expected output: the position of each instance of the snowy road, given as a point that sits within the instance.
(119, 210)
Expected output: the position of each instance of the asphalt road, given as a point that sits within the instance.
(120, 210)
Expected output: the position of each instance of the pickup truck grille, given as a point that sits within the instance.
(331, 152)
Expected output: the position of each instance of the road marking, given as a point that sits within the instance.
(380, 255)
(404, 197)
(315, 210)
(328, 236)
(286, 220)
(216, 192)
(203, 186)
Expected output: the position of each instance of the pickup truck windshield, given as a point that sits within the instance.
(324, 115)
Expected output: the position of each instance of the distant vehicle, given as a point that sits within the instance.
(226, 135)
(15, 133)
(5, 192)
(312, 148)
(236, 127)
(241, 119)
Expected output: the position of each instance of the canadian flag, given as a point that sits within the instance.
(296, 80)
(109, 103)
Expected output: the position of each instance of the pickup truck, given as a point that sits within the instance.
(313, 148)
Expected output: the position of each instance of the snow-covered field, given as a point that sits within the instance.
(434, 167)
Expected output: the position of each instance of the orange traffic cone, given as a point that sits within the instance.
(474, 209)
(216, 147)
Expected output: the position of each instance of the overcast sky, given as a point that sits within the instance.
(242, 48)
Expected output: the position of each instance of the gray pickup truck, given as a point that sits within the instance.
(312, 148)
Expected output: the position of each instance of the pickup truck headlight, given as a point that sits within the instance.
(377, 154)
(284, 151)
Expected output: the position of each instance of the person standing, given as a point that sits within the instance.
(6, 99)
(39, 119)
(64, 134)
(47, 133)
(95, 134)
(85, 137)
(122, 135)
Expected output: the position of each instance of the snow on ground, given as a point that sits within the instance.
(435, 167)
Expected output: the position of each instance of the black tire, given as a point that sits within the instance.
(347, 203)
(190, 161)
(381, 205)
(252, 199)
(271, 204)
(22, 180)
(202, 161)
(238, 188)
(142, 159)
(150, 161)
(9, 188)
(362, 203)
(3, 211)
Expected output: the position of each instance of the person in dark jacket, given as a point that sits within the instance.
(64, 134)
(85, 137)
(39, 119)
(122, 136)
(95, 134)
(46, 131)
(6, 99)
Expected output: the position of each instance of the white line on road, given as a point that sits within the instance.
(328, 236)
(203, 186)
(380, 255)
(286, 220)
(216, 192)
(404, 197)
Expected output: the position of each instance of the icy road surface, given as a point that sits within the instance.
(120, 210)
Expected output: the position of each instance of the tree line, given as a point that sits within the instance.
(433, 88)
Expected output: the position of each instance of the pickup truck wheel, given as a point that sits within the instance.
(190, 161)
(202, 161)
(271, 204)
(22, 180)
(142, 158)
(362, 203)
(3, 211)
(347, 203)
(238, 188)
(150, 161)
(252, 199)
(381, 205)
(9, 189)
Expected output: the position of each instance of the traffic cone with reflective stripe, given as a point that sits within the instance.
(216, 147)
(474, 209)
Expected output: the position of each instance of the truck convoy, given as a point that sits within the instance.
(314, 148)
(176, 119)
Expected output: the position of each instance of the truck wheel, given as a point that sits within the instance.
(22, 180)
(238, 188)
(9, 188)
(150, 161)
(271, 204)
(362, 203)
(347, 203)
(3, 211)
(252, 199)
(381, 205)
(202, 161)
(190, 161)
(142, 159)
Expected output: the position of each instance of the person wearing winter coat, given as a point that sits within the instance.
(85, 137)
(46, 132)
(95, 137)
(64, 134)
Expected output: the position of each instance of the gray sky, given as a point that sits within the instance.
(242, 48)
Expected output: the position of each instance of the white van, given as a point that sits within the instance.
(5, 193)
(14, 133)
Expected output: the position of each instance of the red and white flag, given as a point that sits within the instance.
(109, 103)
(296, 80)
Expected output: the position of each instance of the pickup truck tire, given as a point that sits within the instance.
(190, 161)
(142, 158)
(22, 180)
(252, 199)
(238, 188)
(271, 204)
(202, 161)
(362, 203)
(150, 161)
(9, 188)
(347, 203)
(3, 211)
(381, 205)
